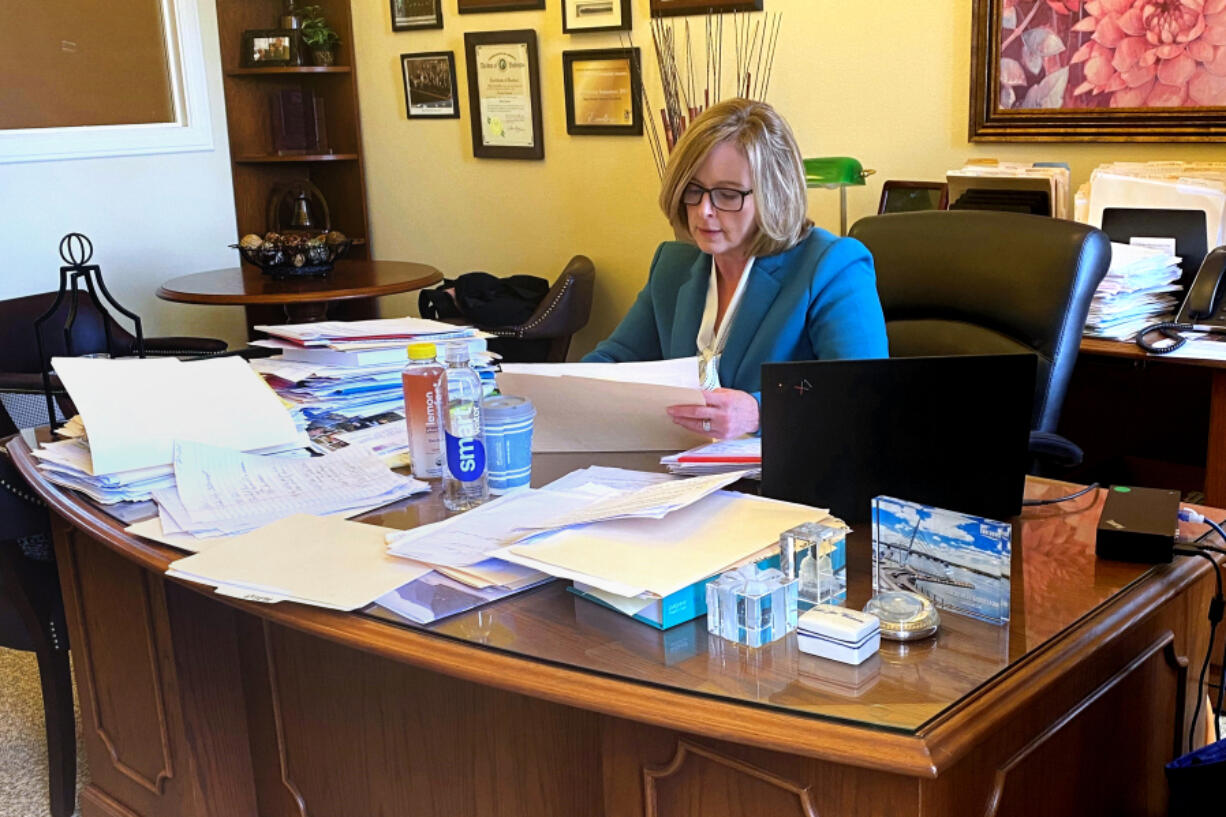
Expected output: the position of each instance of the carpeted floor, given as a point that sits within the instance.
(23, 746)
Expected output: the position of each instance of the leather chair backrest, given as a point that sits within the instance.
(18, 349)
(568, 304)
(977, 282)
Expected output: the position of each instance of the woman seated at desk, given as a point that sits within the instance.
(752, 280)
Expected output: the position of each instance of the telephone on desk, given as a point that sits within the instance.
(1203, 310)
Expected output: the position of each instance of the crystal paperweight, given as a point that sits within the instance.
(751, 606)
(817, 554)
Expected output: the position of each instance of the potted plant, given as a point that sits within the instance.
(318, 35)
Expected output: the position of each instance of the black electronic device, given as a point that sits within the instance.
(1138, 525)
(1186, 227)
(950, 432)
(1203, 307)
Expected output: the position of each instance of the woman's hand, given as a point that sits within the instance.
(728, 413)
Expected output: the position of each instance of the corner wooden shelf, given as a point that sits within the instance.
(255, 169)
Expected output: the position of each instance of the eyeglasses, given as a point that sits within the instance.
(728, 199)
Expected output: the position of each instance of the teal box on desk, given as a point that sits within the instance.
(676, 608)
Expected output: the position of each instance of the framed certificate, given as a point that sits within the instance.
(603, 95)
(504, 94)
(595, 15)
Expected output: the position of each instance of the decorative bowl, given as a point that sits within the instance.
(294, 256)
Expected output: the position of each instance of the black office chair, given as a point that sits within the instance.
(978, 282)
(32, 619)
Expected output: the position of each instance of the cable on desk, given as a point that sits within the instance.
(1170, 331)
(1216, 608)
(1030, 503)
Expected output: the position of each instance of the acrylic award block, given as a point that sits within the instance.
(960, 562)
(819, 553)
(751, 606)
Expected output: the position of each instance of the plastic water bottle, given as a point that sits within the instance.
(423, 404)
(465, 481)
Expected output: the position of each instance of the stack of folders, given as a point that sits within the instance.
(990, 184)
(341, 379)
(1192, 186)
(743, 454)
(639, 543)
(1139, 289)
(132, 411)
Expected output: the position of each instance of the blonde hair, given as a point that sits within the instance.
(775, 167)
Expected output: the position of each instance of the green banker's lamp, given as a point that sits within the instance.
(836, 171)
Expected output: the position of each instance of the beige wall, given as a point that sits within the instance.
(886, 83)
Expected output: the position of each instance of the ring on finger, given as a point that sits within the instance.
(706, 425)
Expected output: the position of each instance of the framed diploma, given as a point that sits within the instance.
(673, 8)
(504, 94)
(429, 85)
(595, 15)
(408, 15)
(479, 6)
(603, 95)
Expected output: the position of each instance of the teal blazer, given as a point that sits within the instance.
(816, 301)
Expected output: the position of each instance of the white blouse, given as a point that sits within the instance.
(710, 342)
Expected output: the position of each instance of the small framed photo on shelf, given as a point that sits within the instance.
(595, 15)
(408, 15)
(429, 85)
(270, 47)
(674, 8)
(482, 6)
(504, 94)
(603, 95)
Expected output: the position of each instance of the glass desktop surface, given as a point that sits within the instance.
(1056, 582)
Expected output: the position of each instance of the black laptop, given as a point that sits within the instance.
(951, 432)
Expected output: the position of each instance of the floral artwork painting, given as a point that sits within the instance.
(1112, 53)
(1073, 68)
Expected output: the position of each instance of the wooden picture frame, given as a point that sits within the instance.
(604, 95)
(1040, 75)
(504, 94)
(430, 85)
(677, 8)
(271, 48)
(582, 16)
(483, 6)
(411, 15)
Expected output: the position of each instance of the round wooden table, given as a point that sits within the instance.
(303, 299)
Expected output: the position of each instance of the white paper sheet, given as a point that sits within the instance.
(227, 489)
(323, 561)
(654, 502)
(134, 410)
(597, 414)
(680, 372)
(660, 556)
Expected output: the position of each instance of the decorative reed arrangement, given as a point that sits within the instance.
(754, 40)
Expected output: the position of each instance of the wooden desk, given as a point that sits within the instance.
(300, 299)
(1215, 371)
(546, 705)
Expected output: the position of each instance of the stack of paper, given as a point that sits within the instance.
(1165, 185)
(307, 559)
(607, 406)
(1139, 289)
(222, 492)
(990, 184)
(133, 411)
(743, 454)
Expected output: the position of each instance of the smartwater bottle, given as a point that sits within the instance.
(423, 407)
(465, 483)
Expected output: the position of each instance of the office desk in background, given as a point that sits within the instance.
(352, 286)
(1120, 394)
(546, 705)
